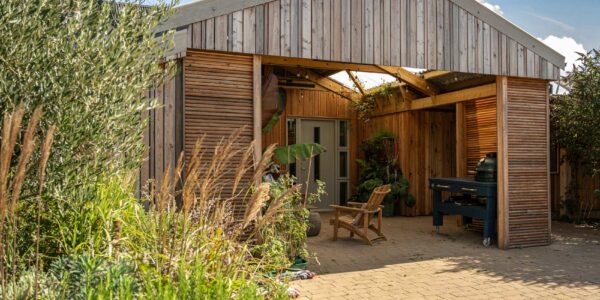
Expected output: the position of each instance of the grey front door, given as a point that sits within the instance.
(321, 167)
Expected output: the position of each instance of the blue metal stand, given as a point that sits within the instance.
(469, 186)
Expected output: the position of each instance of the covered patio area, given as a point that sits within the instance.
(417, 263)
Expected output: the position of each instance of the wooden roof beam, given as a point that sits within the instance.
(357, 82)
(474, 93)
(412, 80)
(326, 83)
(317, 64)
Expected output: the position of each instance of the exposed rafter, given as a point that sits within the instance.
(435, 74)
(357, 82)
(411, 79)
(326, 83)
(474, 93)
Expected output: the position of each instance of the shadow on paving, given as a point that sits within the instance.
(573, 259)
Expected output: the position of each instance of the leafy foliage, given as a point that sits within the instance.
(575, 119)
(379, 167)
(88, 63)
(285, 237)
(366, 105)
(297, 152)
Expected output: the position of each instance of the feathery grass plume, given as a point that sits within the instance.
(262, 166)
(243, 167)
(27, 148)
(275, 206)
(45, 154)
(256, 203)
(11, 127)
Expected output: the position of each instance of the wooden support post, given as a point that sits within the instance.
(257, 104)
(501, 110)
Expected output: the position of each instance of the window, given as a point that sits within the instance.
(343, 192)
(317, 159)
(343, 164)
(291, 140)
(343, 133)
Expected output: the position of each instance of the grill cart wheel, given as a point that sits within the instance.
(487, 242)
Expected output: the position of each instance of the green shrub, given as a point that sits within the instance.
(284, 238)
(379, 167)
(89, 64)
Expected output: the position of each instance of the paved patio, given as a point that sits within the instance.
(417, 263)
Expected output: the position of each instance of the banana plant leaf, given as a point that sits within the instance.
(297, 152)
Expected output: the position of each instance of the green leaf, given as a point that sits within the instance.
(297, 152)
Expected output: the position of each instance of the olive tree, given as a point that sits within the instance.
(88, 63)
(575, 118)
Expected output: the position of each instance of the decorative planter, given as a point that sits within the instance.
(314, 223)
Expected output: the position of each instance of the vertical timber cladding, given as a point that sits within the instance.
(219, 95)
(425, 140)
(524, 165)
(163, 134)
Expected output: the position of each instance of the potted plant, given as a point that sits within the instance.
(380, 167)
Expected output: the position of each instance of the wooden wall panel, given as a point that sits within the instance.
(428, 34)
(528, 198)
(588, 185)
(426, 148)
(162, 137)
(214, 81)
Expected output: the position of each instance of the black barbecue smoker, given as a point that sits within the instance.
(472, 198)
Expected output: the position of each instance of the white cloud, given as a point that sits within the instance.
(493, 7)
(562, 25)
(568, 47)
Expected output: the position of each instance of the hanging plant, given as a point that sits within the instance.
(365, 107)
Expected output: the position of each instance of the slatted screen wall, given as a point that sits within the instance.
(528, 173)
(481, 128)
(218, 101)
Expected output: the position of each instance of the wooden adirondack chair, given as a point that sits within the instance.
(358, 221)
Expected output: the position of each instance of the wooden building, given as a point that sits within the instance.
(485, 90)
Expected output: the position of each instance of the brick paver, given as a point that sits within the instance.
(415, 263)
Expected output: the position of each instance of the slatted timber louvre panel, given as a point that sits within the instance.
(481, 130)
(527, 156)
(428, 34)
(163, 136)
(218, 101)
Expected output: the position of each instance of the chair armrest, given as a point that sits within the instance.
(355, 204)
(372, 211)
(347, 208)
